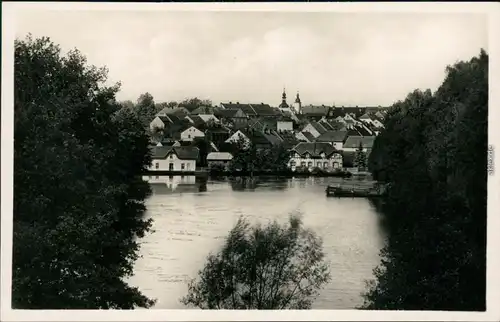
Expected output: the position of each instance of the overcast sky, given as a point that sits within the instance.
(341, 58)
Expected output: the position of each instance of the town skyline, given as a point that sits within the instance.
(365, 59)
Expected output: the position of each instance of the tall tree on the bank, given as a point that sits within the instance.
(360, 157)
(145, 108)
(271, 267)
(433, 153)
(78, 201)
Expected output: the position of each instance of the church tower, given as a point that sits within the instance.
(284, 104)
(298, 104)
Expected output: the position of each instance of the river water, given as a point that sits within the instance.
(191, 219)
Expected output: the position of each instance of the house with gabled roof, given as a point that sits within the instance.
(234, 116)
(191, 133)
(314, 112)
(173, 158)
(352, 143)
(335, 138)
(305, 136)
(195, 120)
(160, 122)
(315, 154)
(315, 128)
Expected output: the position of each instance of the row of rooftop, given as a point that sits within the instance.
(336, 129)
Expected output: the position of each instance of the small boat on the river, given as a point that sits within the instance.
(355, 191)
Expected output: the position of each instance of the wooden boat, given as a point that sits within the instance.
(371, 191)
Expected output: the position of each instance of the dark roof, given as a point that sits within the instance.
(263, 109)
(332, 136)
(182, 152)
(320, 128)
(262, 124)
(197, 120)
(203, 110)
(362, 130)
(353, 142)
(260, 138)
(189, 107)
(228, 112)
(315, 110)
(164, 119)
(175, 118)
(308, 135)
(246, 108)
(314, 149)
(288, 139)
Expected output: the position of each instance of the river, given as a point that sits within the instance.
(191, 219)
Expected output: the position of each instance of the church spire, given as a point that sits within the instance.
(297, 99)
(283, 97)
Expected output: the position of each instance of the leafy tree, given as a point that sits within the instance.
(78, 197)
(204, 147)
(157, 134)
(128, 104)
(146, 109)
(194, 103)
(270, 267)
(360, 157)
(433, 154)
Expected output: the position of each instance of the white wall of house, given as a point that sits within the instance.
(338, 145)
(377, 123)
(191, 133)
(177, 164)
(311, 129)
(333, 162)
(156, 123)
(208, 117)
(285, 126)
(354, 149)
(236, 136)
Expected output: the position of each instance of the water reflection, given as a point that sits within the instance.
(161, 185)
(188, 226)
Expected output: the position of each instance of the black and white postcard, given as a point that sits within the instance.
(250, 161)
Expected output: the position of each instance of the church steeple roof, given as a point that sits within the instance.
(283, 99)
(297, 99)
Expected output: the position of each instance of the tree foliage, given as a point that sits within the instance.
(145, 109)
(78, 201)
(247, 158)
(433, 154)
(270, 267)
(360, 157)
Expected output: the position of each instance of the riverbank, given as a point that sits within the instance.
(284, 174)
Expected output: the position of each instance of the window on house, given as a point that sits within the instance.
(325, 165)
(171, 156)
(182, 166)
(318, 164)
(157, 165)
(309, 164)
(335, 165)
(189, 136)
(157, 177)
(303, 164)
(292, 164)
(188, 166)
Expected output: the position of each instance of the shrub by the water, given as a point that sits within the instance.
(262, 267)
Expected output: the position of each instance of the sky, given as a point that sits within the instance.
(364, 59)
